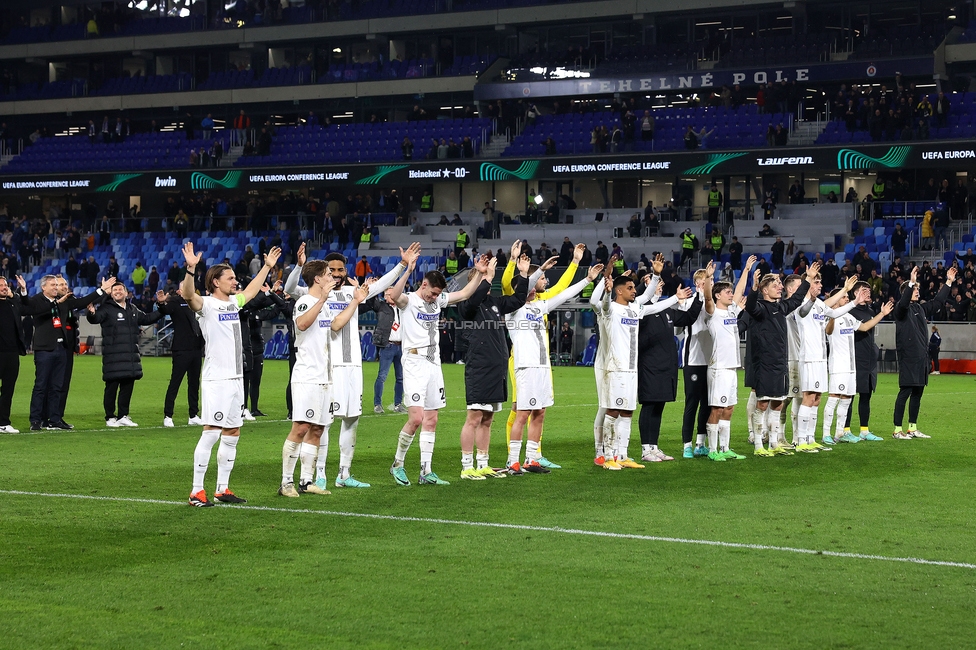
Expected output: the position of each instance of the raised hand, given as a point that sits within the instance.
(850, 282)
(888, 307)
(710, 270)
(409, 256)
(607, 284)
(66, 296)
(277, 286)
(271, 258)
(481, 264)
(813, 271)
(361, 292)
(594, 272)
(750, 263)
(523, 264)
(353, 282)
(951, 274)
(107, 284)
(516, 250)
(657, 264)
(549, 263)
(492, 267)
(160, 296)
(300, 255)
(608, 269)
(915, 274)
(21, 283)
(683, 293)
(91, 308)
(329, 284)
(578, 252)
(192, 259)
(756, 277)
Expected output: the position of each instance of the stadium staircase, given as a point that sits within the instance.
(806, 133)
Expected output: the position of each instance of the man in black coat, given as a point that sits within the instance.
(485, 383)
(12, 346)
(187, 351)
(256, 340)
(657, 367)
(122, 324)
(912, 344)
(865, 362)
(49, 351)
(769, 349)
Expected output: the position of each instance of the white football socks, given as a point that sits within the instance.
(514, 451)
(609, 436)
(201, 457)
(308, 454)
(806, 424)
(598, 424)
(711, 431)
(843, 406)
(623, 437)
(758, 419)
(724, 434)
(532, 451)
(289, 458)
(323, 454)
(403, 446)
(347, 443)
(482, 459)
(750, 409)
(426, 451)
(829, 415)
(226, 455)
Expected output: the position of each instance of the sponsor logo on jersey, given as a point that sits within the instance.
(629, 321)
(218, 416)
(337, 306)
(325, 322)
(731, 321)
(537, 318)
(428, 317)
(310, 413)
(223, 317)
(819, 317)
(846, 330)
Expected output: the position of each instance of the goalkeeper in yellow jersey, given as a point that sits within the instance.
(567, 278)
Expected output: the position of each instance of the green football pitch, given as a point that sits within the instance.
(868, 546)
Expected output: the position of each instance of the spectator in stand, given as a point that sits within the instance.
(264, 142)
(242, 124)
(153, 280)
(363, 269)
(735, 254)
(602, 254)
(71, 269)
(781, 136)
(797, 193)
(778, 250)
(550, 146)
(139, 276)
(967, 258)
(634, 226)
(647, 127)
(691, 138)
(941, 110)
(104, 231)
(91, 29)
(898, 240)
(407, 148)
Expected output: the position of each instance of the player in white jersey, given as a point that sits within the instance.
(347, 360)
(790, 284)
(533, 375)
(841, 365)
(696, 352)
(619, 395)
(722, 320)
(222, 380)
(423, 381)
(311, 378)
(811, 319)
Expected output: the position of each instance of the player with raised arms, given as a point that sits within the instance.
(222, 381)
(346, 355)
(767, 328)
(311, 379)
(533, 373)
(722, 320)
(423, 381)
(811, 320)
(841, 363)
(618, 394)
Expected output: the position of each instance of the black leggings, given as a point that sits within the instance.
(650, 422)
(863, 410)
(254, 390)
(122, 388)
(912, 395)
(696, 401)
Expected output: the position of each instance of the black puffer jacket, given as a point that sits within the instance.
(120, 338)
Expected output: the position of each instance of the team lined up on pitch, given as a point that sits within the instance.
(787, 362)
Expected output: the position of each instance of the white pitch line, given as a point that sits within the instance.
(521, 527)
